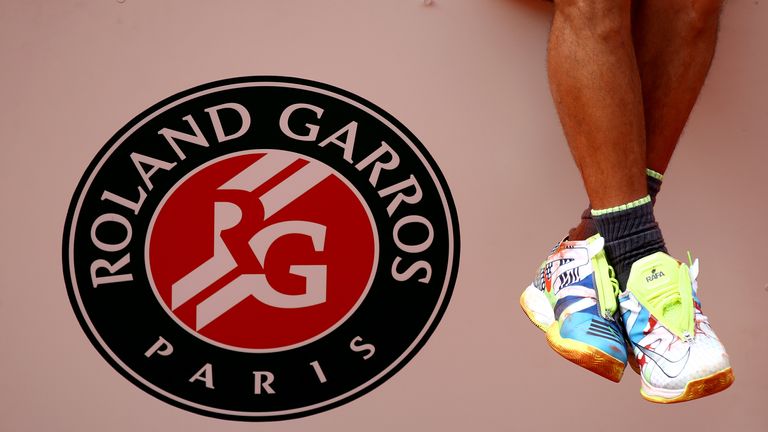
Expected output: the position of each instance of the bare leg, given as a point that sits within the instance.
(674, 43)
(595, 84)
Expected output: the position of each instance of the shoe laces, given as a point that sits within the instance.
(607, 295)
(614, 281)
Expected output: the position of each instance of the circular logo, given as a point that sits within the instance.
(261, 248)
(278, 262)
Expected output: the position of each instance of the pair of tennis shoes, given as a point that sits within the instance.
(576, 300)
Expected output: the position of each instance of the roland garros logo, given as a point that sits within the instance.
(260, 248)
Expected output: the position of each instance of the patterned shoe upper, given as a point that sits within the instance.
(579, 285)
(672, 339)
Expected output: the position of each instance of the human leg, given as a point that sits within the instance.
(679, 355)
(674, 44)
(596, 89)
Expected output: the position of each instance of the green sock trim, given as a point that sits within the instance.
(657, 175)
(636, 203)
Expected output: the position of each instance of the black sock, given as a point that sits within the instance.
(630, 232)
(587, 227)
(654, 183)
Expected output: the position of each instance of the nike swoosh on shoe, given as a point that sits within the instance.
(671, 368)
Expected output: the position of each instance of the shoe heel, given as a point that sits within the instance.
(586, 356)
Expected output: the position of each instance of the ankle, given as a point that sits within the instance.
(630, 232)
(585, 229)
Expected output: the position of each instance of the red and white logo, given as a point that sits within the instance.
(262, 250)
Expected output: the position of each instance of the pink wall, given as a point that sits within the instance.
(468, 79)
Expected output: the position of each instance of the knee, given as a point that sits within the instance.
(609, 19)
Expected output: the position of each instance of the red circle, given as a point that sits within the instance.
(183, 237)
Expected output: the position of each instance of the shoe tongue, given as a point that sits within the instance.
(654, 277)
(673, 312)
(656, 282)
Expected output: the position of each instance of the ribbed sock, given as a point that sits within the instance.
(654, 183)
(630, 232)
(587, 228)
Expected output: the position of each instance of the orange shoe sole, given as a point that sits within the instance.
(696, 389)
(586, 356)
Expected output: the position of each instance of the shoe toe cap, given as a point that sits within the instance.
(701, 358)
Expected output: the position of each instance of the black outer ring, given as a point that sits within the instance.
(261, 78)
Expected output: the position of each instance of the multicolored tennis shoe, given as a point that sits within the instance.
(573, 299)
(679, 356)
